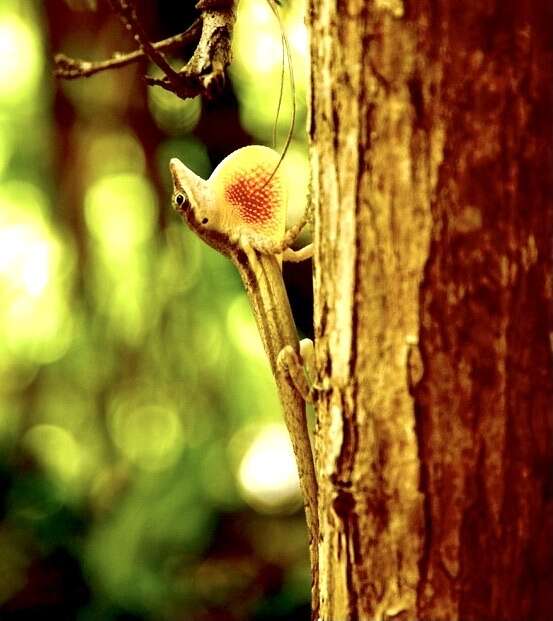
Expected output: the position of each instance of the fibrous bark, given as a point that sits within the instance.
(432, 180)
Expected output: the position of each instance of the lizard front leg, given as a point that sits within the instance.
(268, 245)
(295, 256)
(299, 368)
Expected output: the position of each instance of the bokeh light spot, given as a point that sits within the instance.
(20, 59)
(120, 212)
(256, 71)
(296, 167)
(114, 152)
(150, 436)
(34, 315)
(56, 451)
(257, 39)
(267, 474)
(6, 148)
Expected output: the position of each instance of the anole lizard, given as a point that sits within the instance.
(241, 212)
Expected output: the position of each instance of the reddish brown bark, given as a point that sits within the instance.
(431, 134)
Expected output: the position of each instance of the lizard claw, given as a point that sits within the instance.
(291, 364)
(267, 245)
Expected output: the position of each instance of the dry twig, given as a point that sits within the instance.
(203, 74)
(73, 68)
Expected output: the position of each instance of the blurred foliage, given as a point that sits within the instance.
(144, 469)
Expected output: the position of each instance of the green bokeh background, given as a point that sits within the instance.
(144, 470)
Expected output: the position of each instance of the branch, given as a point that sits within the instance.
(204, 73)
(72, 68)
(127, 13)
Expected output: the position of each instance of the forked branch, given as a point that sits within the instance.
(204, 73)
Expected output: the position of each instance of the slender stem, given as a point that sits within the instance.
(72, 68)
(127, 13)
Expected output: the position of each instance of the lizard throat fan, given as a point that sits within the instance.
(250, 193)
(244, 193)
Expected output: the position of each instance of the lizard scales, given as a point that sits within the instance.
(239, 210)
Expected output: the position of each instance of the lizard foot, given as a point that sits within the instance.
(298, 366)
(267, 245)
(295, 256)
(245, 242)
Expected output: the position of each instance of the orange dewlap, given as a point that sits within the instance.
(243, 192)
(255, 199)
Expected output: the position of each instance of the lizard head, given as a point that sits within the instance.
(245, 193)
(193, 198)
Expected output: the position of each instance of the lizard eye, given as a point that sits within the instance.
(205, 221)
(179, 199)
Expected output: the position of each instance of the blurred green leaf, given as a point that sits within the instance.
(134, 389)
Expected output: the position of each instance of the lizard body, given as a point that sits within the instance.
(241, 212)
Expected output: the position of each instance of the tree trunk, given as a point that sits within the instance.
(431, 129)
